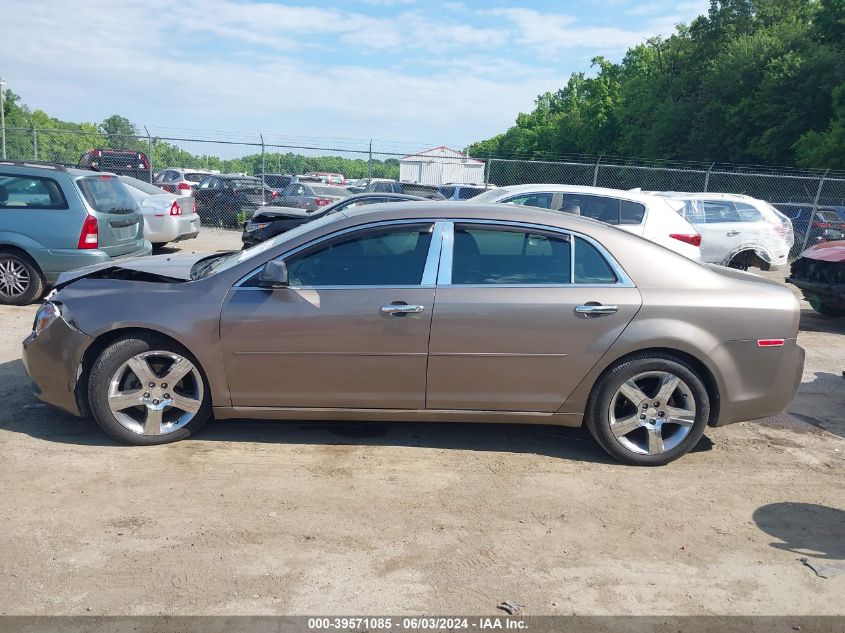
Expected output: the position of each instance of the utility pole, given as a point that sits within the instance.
(370, 163)
(3, 117)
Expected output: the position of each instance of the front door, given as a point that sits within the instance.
(351, 331)
(516, 326)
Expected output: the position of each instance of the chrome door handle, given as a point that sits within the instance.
(402, 308)
(591, 310)
(732, 233)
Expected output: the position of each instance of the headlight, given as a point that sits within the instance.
(250, 227)
(47, 313)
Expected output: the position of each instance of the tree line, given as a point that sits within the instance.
(753, 81)
(64, 142)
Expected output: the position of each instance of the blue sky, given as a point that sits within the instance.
(412, 72)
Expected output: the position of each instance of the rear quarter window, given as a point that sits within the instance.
(106, 194)
(30, 192)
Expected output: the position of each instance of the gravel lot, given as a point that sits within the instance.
(328, 518)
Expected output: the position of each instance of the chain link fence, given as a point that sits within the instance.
(813, 200)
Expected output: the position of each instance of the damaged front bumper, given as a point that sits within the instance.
(52, 358)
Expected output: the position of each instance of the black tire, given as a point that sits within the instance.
(597, 417)
(108, 363)
(34, 284)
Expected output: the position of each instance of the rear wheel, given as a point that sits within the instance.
(144, 389)
(648, 410)
(21, 282)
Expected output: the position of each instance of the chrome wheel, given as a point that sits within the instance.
(652, 412)
(14, 278)
(155, 393)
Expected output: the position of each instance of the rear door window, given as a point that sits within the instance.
(30, 192)
(106, 194)
(601, 208)
(509, 256)
(590, 266)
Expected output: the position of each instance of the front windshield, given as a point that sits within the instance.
(225, 261)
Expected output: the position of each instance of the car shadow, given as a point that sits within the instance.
(812, 321)
(808, 529)
(24, 414)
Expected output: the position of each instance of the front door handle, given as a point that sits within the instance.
(596, 310)
(732, 233)
(399, 309)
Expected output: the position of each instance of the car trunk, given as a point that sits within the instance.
(120, 226)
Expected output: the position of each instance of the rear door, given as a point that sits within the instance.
(120, 225)
(519, 318)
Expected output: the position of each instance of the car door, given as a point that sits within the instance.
(722, 232)
(520, 318)
(351, 330)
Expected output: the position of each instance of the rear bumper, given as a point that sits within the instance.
(54, 262)
(52, 360)
(756, 382)
(171, 228)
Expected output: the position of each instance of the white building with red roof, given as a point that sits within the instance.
(440, 166)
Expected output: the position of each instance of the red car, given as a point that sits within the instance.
(820, 274)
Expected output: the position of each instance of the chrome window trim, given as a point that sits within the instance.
(445, 276)
(432, 260)
(238, 285)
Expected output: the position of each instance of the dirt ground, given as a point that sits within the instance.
(326, 518)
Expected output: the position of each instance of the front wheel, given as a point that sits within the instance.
(144, 389)
(825, 308)
(648, 410)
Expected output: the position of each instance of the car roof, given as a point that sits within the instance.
(377, 194)
(598, 191)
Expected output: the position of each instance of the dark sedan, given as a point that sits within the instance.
(229, 199)
(271, 221)
(310, 196)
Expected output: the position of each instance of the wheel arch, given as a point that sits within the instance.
(101, 342)
(696, 364)
(8, 247)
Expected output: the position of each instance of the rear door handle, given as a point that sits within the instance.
(398, 309)
(732, 233)
(596, 310)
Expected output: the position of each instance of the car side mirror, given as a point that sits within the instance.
(273, 275)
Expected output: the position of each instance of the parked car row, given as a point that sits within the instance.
(55, 218)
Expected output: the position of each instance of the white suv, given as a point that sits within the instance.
(736, 230)
(655, 218)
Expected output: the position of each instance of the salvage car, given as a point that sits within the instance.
(309, 196)
(820, 274)
(271, 221)
(424, 311)
(167, 217)
(223, 200)
(737, 230)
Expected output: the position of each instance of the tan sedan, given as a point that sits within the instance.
(424, 311)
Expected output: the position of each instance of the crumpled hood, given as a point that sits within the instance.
(171, 266)
(271, 212)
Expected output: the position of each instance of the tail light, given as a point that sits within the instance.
(193, 206)
(822, 225)
(782, 229)
(175, 209)
(183, 186)
(274, 195)
(688, 238)
(89, 236)
(321, 202)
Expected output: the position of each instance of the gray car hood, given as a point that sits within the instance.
(173, 267)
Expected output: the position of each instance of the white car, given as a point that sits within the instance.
(655, 218)
(167, 217)
(182, 181)
(736, 230)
